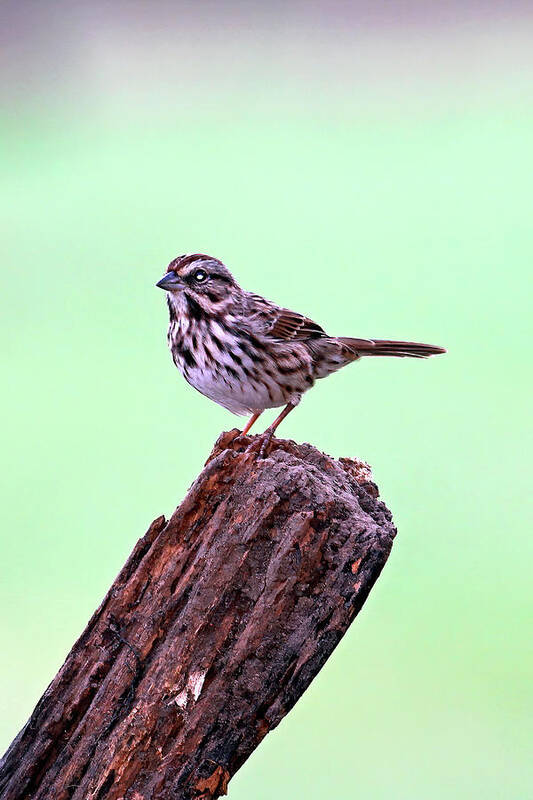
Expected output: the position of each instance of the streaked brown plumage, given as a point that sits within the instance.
(248, 354)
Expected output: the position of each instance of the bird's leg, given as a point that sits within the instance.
(250, 422)
(266, 437)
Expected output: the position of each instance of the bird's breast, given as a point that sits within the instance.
(240, 371)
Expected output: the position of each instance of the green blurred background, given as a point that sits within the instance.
(370, 168)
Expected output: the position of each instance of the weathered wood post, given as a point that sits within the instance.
(213, 629)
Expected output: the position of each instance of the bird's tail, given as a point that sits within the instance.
(386, 347)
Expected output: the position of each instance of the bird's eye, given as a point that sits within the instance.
(200, 276)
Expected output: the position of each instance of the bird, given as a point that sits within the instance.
(247, 353)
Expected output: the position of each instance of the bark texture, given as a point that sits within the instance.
(213, 629)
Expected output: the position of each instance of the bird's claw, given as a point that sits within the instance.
(261, 444)
(265, 446)
(233, 435)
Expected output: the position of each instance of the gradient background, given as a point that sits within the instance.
(370, 166)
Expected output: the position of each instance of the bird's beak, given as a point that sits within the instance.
(170, 281)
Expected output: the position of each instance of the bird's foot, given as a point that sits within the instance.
(231, 435)
(261, 444)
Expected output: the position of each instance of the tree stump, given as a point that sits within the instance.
(216, 625)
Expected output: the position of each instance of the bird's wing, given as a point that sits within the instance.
(285, 325)
(288, 325)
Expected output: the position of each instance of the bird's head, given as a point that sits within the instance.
(200, 278)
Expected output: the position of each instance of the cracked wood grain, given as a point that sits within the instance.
(216, 625)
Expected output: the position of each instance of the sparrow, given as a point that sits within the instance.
(248, 354)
